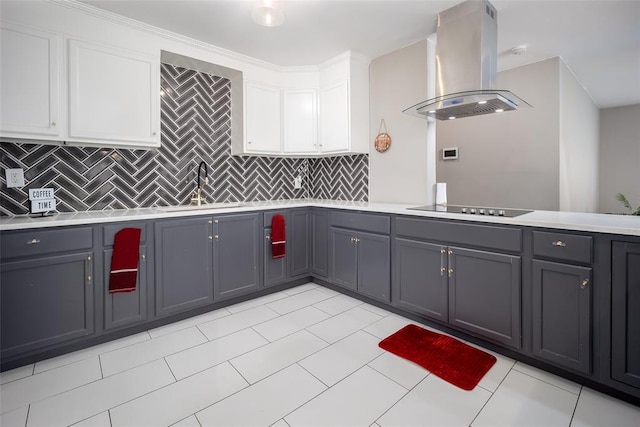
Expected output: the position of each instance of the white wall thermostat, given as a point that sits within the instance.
(450, 153)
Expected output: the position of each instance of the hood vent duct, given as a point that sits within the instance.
(466, 62)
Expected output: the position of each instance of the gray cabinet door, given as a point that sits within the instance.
(298, 249)
(319, 242)
(183, 255)
(125, 308)
(374, 265)
(484, 294)
(45, 301)
(275, 270)
(343, 262)
(236, 254)
(420, 278)
(625, 326)
(562, 314)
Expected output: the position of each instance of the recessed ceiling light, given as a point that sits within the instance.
(482, 102)
(499, 110)
(432, 111)
(268, 13)
(452, 117)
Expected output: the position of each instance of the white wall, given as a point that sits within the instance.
(619, 157)
(397, 81)
(509, 159)
(579, 146)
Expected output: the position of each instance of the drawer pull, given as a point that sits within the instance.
(267, 237)
(33, 241)
(559, 243)
(584, 283)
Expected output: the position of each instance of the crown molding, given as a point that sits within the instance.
(169, 35)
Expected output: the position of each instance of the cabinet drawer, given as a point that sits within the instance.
(502, 238)
(360, 221)
(268, 216)
(39, 242)
(109, 231)
(562, 246)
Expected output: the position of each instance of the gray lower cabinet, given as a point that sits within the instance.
(484, 294)
(236, 254)
(183, 264)
(45, 300)
(123, 309)
(561, 302)
(360, 261)
(298, 250)
(419, 278)
(625, 313)
(275, 270)
(319, 243)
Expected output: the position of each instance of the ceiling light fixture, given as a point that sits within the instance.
(268, 13)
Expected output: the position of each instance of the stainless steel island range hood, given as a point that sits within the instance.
(466, 63)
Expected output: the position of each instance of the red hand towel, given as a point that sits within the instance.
(124, 262)
(277, 236)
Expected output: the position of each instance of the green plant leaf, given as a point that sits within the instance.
(622, 199)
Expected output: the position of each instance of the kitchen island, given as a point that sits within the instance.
(555, 289)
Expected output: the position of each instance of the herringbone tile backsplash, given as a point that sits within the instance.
(196, 126)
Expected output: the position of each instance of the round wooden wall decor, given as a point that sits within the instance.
(383, 140)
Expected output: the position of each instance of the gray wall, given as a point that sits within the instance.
(579, 146)
(619, 157)
(398, 80)
(509, 159)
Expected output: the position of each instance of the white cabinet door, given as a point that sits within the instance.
(262, 119)
(334, 118)
(300, 121)
(114, 96)
(29, 83)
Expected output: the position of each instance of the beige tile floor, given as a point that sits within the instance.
(307, 356)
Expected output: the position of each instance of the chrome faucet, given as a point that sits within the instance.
(197, 198)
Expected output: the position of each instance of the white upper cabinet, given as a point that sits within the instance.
(114, 96)
(344, 105)
(262, 119)
(29, 85)
(300, 121)
(334, 118)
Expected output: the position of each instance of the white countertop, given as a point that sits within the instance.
(600, 223)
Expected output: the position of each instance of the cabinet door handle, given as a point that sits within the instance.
(442, 270)
(450, 272)
(443, 251)
(53, 124)
(33, 241)
(353, 240)
(450, 252)
(267, 237)
(89, 278)
(215, 236)
(144, 257)
(559, 243)
(210, 222)
(210, 237)
(584, 283)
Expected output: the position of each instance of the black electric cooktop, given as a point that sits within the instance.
(473, 210)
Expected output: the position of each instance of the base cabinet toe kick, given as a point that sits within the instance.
(567, 301)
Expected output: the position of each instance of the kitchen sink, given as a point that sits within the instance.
(205, 206)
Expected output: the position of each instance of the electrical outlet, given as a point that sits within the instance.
(297, 182)
(15, 177)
